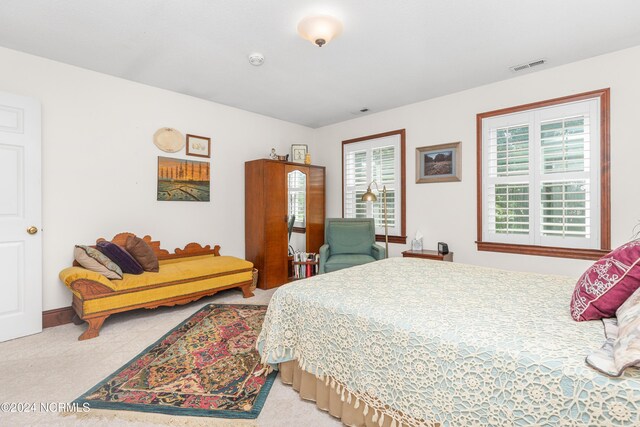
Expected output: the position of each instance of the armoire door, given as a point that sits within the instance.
(276, 247)
(315, 209)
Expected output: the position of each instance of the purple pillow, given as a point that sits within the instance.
(607, 284)
(126, 262)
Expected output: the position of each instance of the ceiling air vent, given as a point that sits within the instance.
(531, 64)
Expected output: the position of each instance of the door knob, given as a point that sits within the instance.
(32, 230)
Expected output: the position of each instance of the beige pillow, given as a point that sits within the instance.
(94, 260)
(626, 349)
(622, 348)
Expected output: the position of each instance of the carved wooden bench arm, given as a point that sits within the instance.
(90, 289)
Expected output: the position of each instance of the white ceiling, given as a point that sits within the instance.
(390, 53)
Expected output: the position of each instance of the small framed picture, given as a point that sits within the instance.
(198, 146)
(439, 163)
(298, 152)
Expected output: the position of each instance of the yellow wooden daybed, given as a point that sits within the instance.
(184, 276)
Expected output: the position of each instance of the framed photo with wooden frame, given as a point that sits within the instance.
(298, 152)
(198, 146)
(439, 163)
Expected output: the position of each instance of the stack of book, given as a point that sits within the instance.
(305, 264)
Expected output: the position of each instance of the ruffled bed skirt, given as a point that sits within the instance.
(327, 398)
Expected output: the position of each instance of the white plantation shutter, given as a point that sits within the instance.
(507, 187)
(384, 173)
(509, 208)
(566, 153)
(373, 160)
(355, 180)
(541, 176)
(566, 209)
(510, 151)
(565, 145)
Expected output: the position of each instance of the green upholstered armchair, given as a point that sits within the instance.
(348, 242)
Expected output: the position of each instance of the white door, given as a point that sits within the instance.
(20, 217)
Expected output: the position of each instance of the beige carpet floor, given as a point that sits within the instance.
(54, 366)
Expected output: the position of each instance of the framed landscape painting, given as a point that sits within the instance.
(183, 180)
(439, 163)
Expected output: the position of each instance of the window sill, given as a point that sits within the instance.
(589, 254)
(392, 239)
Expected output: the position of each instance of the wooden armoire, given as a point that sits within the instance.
(266, 215)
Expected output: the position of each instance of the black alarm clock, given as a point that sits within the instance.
(443, 248)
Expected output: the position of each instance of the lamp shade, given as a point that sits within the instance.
(369, 196)
(319, 29)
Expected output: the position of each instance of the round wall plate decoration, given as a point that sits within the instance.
(168, 140)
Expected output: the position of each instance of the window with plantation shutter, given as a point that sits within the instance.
(543, 179)
(378, 158)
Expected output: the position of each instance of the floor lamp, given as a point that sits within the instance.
(370, 197)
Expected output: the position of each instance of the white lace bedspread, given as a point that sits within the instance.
(427, 341)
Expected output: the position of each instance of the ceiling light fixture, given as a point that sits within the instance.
(319, 29)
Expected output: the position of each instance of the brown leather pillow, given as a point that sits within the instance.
(143, 253)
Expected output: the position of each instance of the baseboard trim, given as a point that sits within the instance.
(57, 316)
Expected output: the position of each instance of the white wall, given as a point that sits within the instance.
(99, 162)
(447, 211)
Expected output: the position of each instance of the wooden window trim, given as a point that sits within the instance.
(403, 182)
(605, 182)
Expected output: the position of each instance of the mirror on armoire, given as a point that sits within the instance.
(297, 210)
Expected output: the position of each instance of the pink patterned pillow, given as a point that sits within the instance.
(607, 283)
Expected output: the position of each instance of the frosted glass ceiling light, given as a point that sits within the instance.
(319, 29)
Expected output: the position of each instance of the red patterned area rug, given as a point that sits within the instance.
(203, 367)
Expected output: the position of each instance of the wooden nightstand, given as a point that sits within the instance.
(434, 255)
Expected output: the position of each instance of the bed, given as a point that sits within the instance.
(417, 342)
